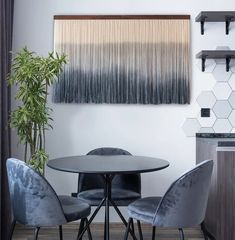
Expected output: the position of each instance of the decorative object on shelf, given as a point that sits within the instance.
(124, 59)
(33, 75)
(216, 54)
(211, 16)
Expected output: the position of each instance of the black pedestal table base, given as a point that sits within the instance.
(107, 202)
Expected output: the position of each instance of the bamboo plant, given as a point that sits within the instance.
(33, 75)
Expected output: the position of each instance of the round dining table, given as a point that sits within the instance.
(107, 167)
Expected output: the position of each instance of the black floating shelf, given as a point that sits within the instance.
(216, 54)
(210, 16)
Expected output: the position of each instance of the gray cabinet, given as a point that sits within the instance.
(220, 216)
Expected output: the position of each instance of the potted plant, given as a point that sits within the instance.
(33, 75)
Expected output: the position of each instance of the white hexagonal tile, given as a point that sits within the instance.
(222, 109)
(207, 121)
(233, 130)
(206, 99)
(231, 81)
(232, 99)
(222, 90)
(232, 65)
(223, 61)
(209, 65)
(206, 130)
(222, 126)
(232, 118)
(191, 126)
(220, 73)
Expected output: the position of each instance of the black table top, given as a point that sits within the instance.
(119, 164)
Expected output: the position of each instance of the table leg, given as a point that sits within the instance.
(107, 220)
(122, 218)
(91, 218)
(118, 212)
(107, 192)
(104, 225)
(107, 200)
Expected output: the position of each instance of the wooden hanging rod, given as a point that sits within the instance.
(104, 17)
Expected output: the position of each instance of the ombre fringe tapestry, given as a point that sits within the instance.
(131, 60)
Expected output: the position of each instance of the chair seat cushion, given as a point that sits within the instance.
(119, 196)
(144, 209)
(74, 208)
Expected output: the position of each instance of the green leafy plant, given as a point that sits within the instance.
(33, 75)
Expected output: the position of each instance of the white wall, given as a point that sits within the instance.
(143, 130)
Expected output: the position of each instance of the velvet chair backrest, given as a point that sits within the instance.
(185, 202)
(33, 200)
(94, 181)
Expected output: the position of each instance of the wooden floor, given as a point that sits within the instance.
(116, 233)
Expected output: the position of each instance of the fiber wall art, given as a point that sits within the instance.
(123, 59)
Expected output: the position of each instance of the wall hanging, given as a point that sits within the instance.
(123, 59)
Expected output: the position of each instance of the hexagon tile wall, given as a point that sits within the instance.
(220, 101)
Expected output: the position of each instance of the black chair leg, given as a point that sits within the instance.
(132, 226)
(153, 233)
(104, 226)
(206, 234)
(88, 230)
(61, 232)
(204, 231)
(140, 230)
(181, 234)
(36, 233)
(127, 229)
(81, 227)
(12, 229)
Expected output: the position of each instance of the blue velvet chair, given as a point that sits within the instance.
(125, 188)
(183, 205)
(35, 203)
